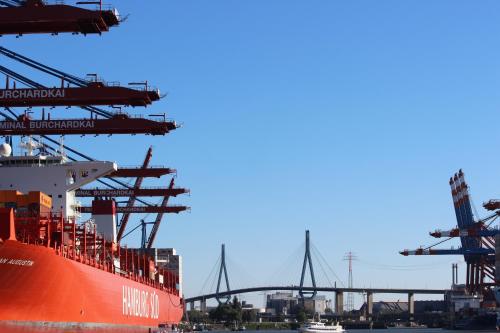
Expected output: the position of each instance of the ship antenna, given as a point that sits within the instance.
(29, 145)
(61, 151)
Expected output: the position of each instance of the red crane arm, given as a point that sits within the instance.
(36, 17)
(158, 219)
(95, 93)
(131, 200)
(119, 124)
(131, 192)
(142, 209)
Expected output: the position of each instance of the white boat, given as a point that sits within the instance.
(319, 327)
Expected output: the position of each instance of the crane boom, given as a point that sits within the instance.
(142, 209)
(94, 93)
(35, 16)
(462, 251)
(159, 218)
(128, 192)
(118, 124)
(131, 200)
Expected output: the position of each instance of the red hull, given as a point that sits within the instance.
(39, 287)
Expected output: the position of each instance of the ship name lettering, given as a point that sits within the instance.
(32, 93)
(139, 303)
(17, 262)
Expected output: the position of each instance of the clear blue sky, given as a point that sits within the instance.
(343, 117)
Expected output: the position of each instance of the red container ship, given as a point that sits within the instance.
(57, 274)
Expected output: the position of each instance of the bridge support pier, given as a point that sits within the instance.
(411, 306)
(191, 305)
(339, 302)
(203, 306)
(369, 306)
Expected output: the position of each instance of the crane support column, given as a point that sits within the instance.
(369, 306)
(203, 306)
(411, 306)
(339, 302)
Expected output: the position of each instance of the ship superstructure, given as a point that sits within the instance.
(53, 175)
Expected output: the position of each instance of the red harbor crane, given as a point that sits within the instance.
(91, 93)
(35, 16)
(140, 172)
(127, 192)
(83, 93)
(73, 90)
(142, 209)
(117, 124)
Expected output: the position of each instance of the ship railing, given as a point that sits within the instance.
(138, 86)
(153, 117)
(162, 117)
(157, 166)
(83, 244)
(157, 188)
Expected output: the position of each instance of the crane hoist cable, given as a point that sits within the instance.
(10, 3)
(44, 68)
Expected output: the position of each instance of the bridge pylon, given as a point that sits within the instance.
(223, 269)
(307, 262)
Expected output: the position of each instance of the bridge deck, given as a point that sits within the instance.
(325, 289)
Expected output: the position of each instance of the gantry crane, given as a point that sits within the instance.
(73, 91)
(83, 93)
(476, 236)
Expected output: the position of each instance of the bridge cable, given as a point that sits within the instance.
(215, 278)
(212, 272)
(328, 265)
(244, 277)
(292, 261)
(315, 254)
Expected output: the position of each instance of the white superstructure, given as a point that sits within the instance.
(53, 175)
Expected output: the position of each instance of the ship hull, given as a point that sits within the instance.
(42, 291)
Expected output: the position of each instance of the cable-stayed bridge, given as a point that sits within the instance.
(305, 292)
